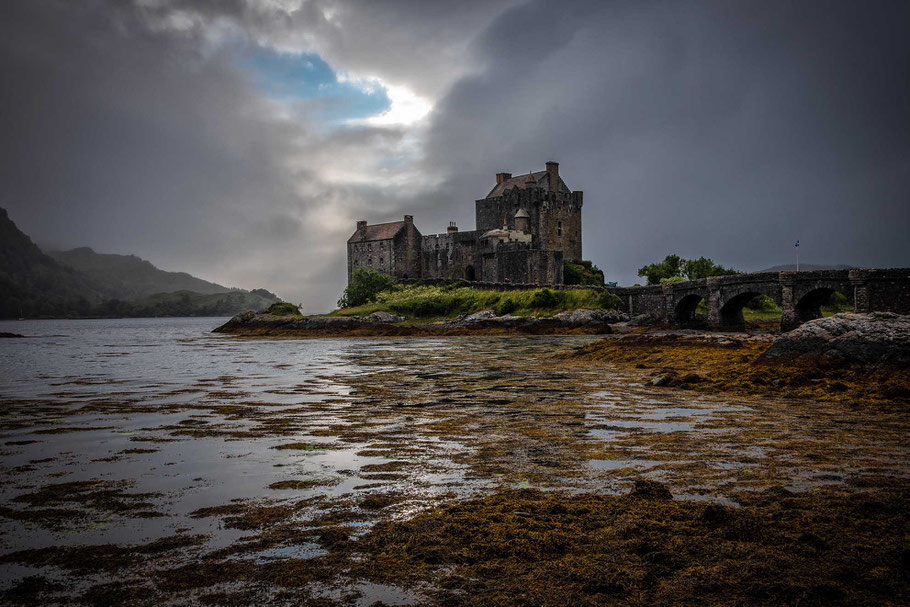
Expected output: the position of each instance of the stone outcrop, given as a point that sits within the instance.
(382, 323)
(878, 337)
(386, 317)
(585, 317)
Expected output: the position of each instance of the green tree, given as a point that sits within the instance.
(365, 285)
(693, 269)
(674, 268)
(582, 272)
(671, 266)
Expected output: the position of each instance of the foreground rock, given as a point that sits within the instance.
(879, 337)
(590, 322)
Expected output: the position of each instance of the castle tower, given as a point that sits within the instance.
(554, 211)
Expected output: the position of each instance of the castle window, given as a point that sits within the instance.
(559, 228)
(381, 260)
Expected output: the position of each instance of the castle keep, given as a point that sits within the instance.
(526, 227)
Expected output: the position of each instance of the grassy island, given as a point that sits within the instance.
(371, 291)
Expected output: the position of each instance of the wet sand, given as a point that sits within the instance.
(201, 468)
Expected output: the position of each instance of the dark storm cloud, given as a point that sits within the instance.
(137, 136)
(719, 129)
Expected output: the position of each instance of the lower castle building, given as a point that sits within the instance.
(526, 227)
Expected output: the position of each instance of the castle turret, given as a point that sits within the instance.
(522, 221)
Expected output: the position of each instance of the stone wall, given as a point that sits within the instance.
(496, 286)
(514, 262)
(881, 290)
(449, 256)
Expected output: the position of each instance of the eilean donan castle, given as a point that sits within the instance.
(526, 226)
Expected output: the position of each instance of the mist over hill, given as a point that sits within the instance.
(129, 276)
(83, 283)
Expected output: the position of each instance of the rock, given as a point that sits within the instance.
(385, 317)
(481, 316)
(584, 317)
(663, 380)
(642, 320)
(10, 335)
(879, 337)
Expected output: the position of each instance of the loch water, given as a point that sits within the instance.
(165, 413)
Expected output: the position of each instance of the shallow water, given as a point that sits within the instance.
(185, 419)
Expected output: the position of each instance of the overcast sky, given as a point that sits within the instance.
(240, 140)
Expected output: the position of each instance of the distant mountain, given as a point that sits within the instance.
(82, 283)
(130, 277)
(806, 267)
(33, 284)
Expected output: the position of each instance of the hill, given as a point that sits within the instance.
(131, 277)
(83, 283)
(188, 303)
(33, 284)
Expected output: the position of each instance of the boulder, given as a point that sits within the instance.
(385, 317)
(584, 317)
(879, 337)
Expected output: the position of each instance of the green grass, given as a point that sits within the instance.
(283, 308)
(441, 302)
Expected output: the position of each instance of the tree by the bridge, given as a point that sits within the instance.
(674, 268)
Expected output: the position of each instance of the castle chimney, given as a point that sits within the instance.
(452, 228)
(500, 177)
(553, 175)
(361, 229)
(409, 219)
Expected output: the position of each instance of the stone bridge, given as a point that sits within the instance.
(800, 294)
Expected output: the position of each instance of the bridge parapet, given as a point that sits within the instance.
(881, 290)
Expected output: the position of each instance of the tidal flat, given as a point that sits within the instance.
(149, 461)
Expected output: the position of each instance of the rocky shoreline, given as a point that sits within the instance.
(578, 322)
(853, 359)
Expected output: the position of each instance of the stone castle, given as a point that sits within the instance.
(525, 227)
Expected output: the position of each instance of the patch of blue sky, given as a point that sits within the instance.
(307, 76)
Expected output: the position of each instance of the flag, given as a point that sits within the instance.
(797, 244)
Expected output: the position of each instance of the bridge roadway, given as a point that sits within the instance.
(800, 294)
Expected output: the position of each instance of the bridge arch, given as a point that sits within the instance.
(734, 292)
(808, 306)
(684, 312)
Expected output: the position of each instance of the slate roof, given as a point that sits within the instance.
(379, 231)
(540, 179)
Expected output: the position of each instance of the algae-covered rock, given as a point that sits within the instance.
(879, 337)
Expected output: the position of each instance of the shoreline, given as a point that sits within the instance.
(580, 322)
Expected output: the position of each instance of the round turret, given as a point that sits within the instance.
(522, 221)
